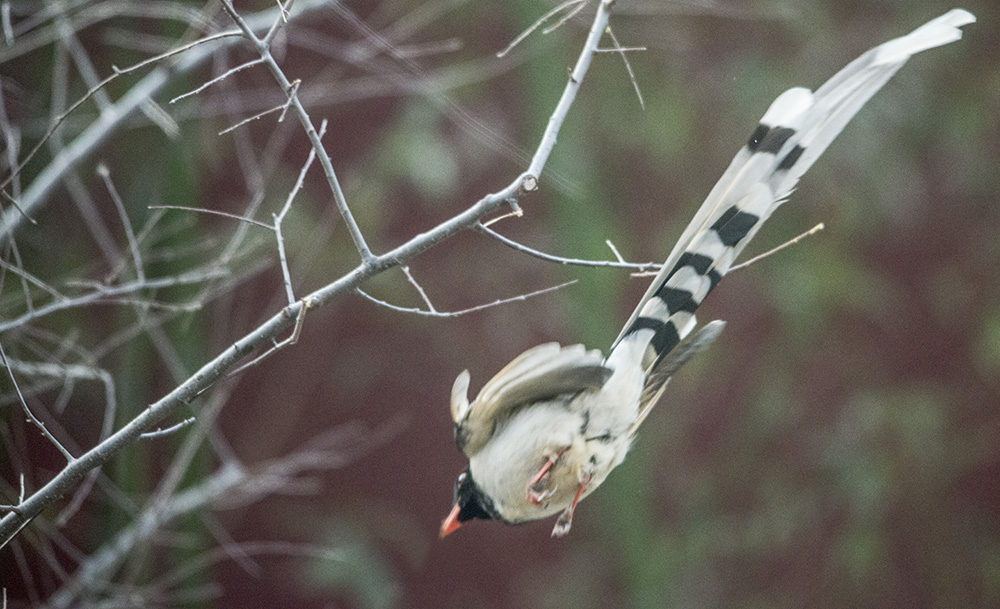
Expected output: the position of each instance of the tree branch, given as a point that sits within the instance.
(263, 47)
(265, 334)
(114, 117)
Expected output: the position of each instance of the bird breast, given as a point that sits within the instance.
(520, 448)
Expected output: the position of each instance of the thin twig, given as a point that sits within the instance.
(159, 433)
(622, 49)
(86, 142)
(280, 216)
(562, 20)
(515, 213)
(435, 313)
(279, 22)
(614, 250)
(275, 345)
(808, 233)
(102, 170)
(255, 117)
(419, 288)
(28, 277)
(283, 259)
(221, 77)
(215, 212)
(619, 264)
(324, 159)
(291, 95)
(111, 293)
(628, 67)
(176, 51)
(537, 24)
(34, 420)
(17, 206)
(20, 498)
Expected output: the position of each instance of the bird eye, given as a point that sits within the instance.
(461, 477)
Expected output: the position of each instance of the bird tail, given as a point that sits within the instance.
(794, 131)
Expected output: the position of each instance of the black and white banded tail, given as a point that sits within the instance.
(794, 131)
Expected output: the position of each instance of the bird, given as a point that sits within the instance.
(548, 428)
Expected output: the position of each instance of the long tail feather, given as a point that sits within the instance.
(794, 131)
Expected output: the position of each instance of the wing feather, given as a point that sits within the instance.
(542, 372)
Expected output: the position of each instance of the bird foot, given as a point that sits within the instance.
(534, 491)
(536, 496)
(565, 520)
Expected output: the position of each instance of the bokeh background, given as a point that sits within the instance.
(839, 446)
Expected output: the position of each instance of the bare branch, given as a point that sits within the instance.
(434, 313)
(17, 206)
(614, 250)
(255, 117)
(176, 51)
(275, 345)
(215, 212)
(113, 117)
(324, 158)
(808, 233)
(109, 293)
(419, 288)
(572, 86)
(562, 20)
(574, 5)
(228, 486)
(159, 433)
(292, 93)
(622, 49)
(280, 216)
(102, 170)
(34, 420)
(619, 264)
(20, 272)
(221, 77)
(265, 334)
(628, 66)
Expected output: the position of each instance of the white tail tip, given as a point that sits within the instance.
(934, 33)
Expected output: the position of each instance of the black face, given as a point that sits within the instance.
(472, 502)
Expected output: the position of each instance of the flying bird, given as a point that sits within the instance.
(547, 430)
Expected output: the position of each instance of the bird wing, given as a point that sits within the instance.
(542, 372)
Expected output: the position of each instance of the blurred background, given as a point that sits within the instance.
(838, 446)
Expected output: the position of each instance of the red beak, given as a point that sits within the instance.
(451, 523)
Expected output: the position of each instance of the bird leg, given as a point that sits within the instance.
(565, 520)
(533, 491)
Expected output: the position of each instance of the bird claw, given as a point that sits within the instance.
(533, 491)
(536, 496)
(563, 523)
(565, 520)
